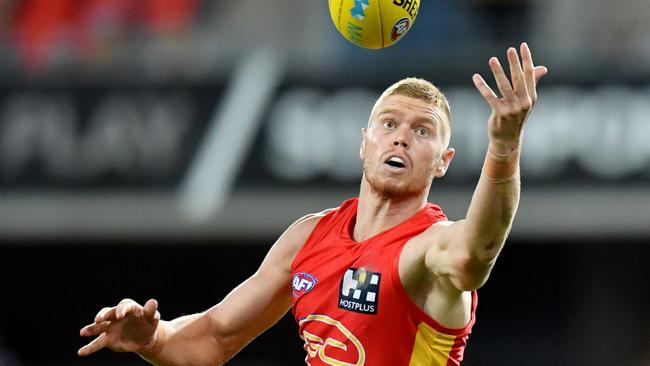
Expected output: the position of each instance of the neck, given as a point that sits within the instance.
(377, 213)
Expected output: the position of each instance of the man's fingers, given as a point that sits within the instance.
(532, 73)
(94, 329)
(502, 80)
(516, 73)
(105, 314)
(540, 71)
(128, 308)
(94, 346)
(488, 94)
(150, 311)
(529, 68)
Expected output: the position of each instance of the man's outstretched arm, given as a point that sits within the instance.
(465, 251)
(215, 335)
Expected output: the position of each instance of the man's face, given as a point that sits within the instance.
(404, 147)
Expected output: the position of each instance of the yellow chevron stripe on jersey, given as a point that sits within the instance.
(431, 347)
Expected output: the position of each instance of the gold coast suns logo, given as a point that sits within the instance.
(328, 342)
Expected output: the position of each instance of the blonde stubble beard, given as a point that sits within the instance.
(414, 188)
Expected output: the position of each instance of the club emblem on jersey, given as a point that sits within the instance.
(360, 291)
(329, 342)
(302, 283)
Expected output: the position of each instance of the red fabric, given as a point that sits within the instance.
(331, 332)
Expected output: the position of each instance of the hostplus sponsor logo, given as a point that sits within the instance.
(360, 291)
(302, 283)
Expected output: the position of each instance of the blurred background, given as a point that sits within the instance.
(157, 148)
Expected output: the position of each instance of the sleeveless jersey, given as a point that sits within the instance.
(350, 305)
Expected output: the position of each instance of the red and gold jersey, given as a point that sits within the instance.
(351, 307)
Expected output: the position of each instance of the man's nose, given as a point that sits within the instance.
(401, 140)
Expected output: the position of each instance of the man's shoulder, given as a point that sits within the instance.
(298, 233)
(435, 213)
(307, 223)
(301, 230)
(419, 244)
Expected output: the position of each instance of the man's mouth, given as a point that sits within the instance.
(396, 161)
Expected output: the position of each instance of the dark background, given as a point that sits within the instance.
(546, 303)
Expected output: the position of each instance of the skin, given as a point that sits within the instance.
(438, 268)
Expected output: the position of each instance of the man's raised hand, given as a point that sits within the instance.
(518, 95)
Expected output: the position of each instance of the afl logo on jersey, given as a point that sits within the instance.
(302, 283)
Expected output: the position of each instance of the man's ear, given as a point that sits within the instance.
(445, 160)
(362, 149)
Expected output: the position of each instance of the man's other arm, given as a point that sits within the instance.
(214, 336)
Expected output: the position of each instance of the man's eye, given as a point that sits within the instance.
(389, 124)
(422, 132)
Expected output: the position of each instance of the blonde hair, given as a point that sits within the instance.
(424, 90)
